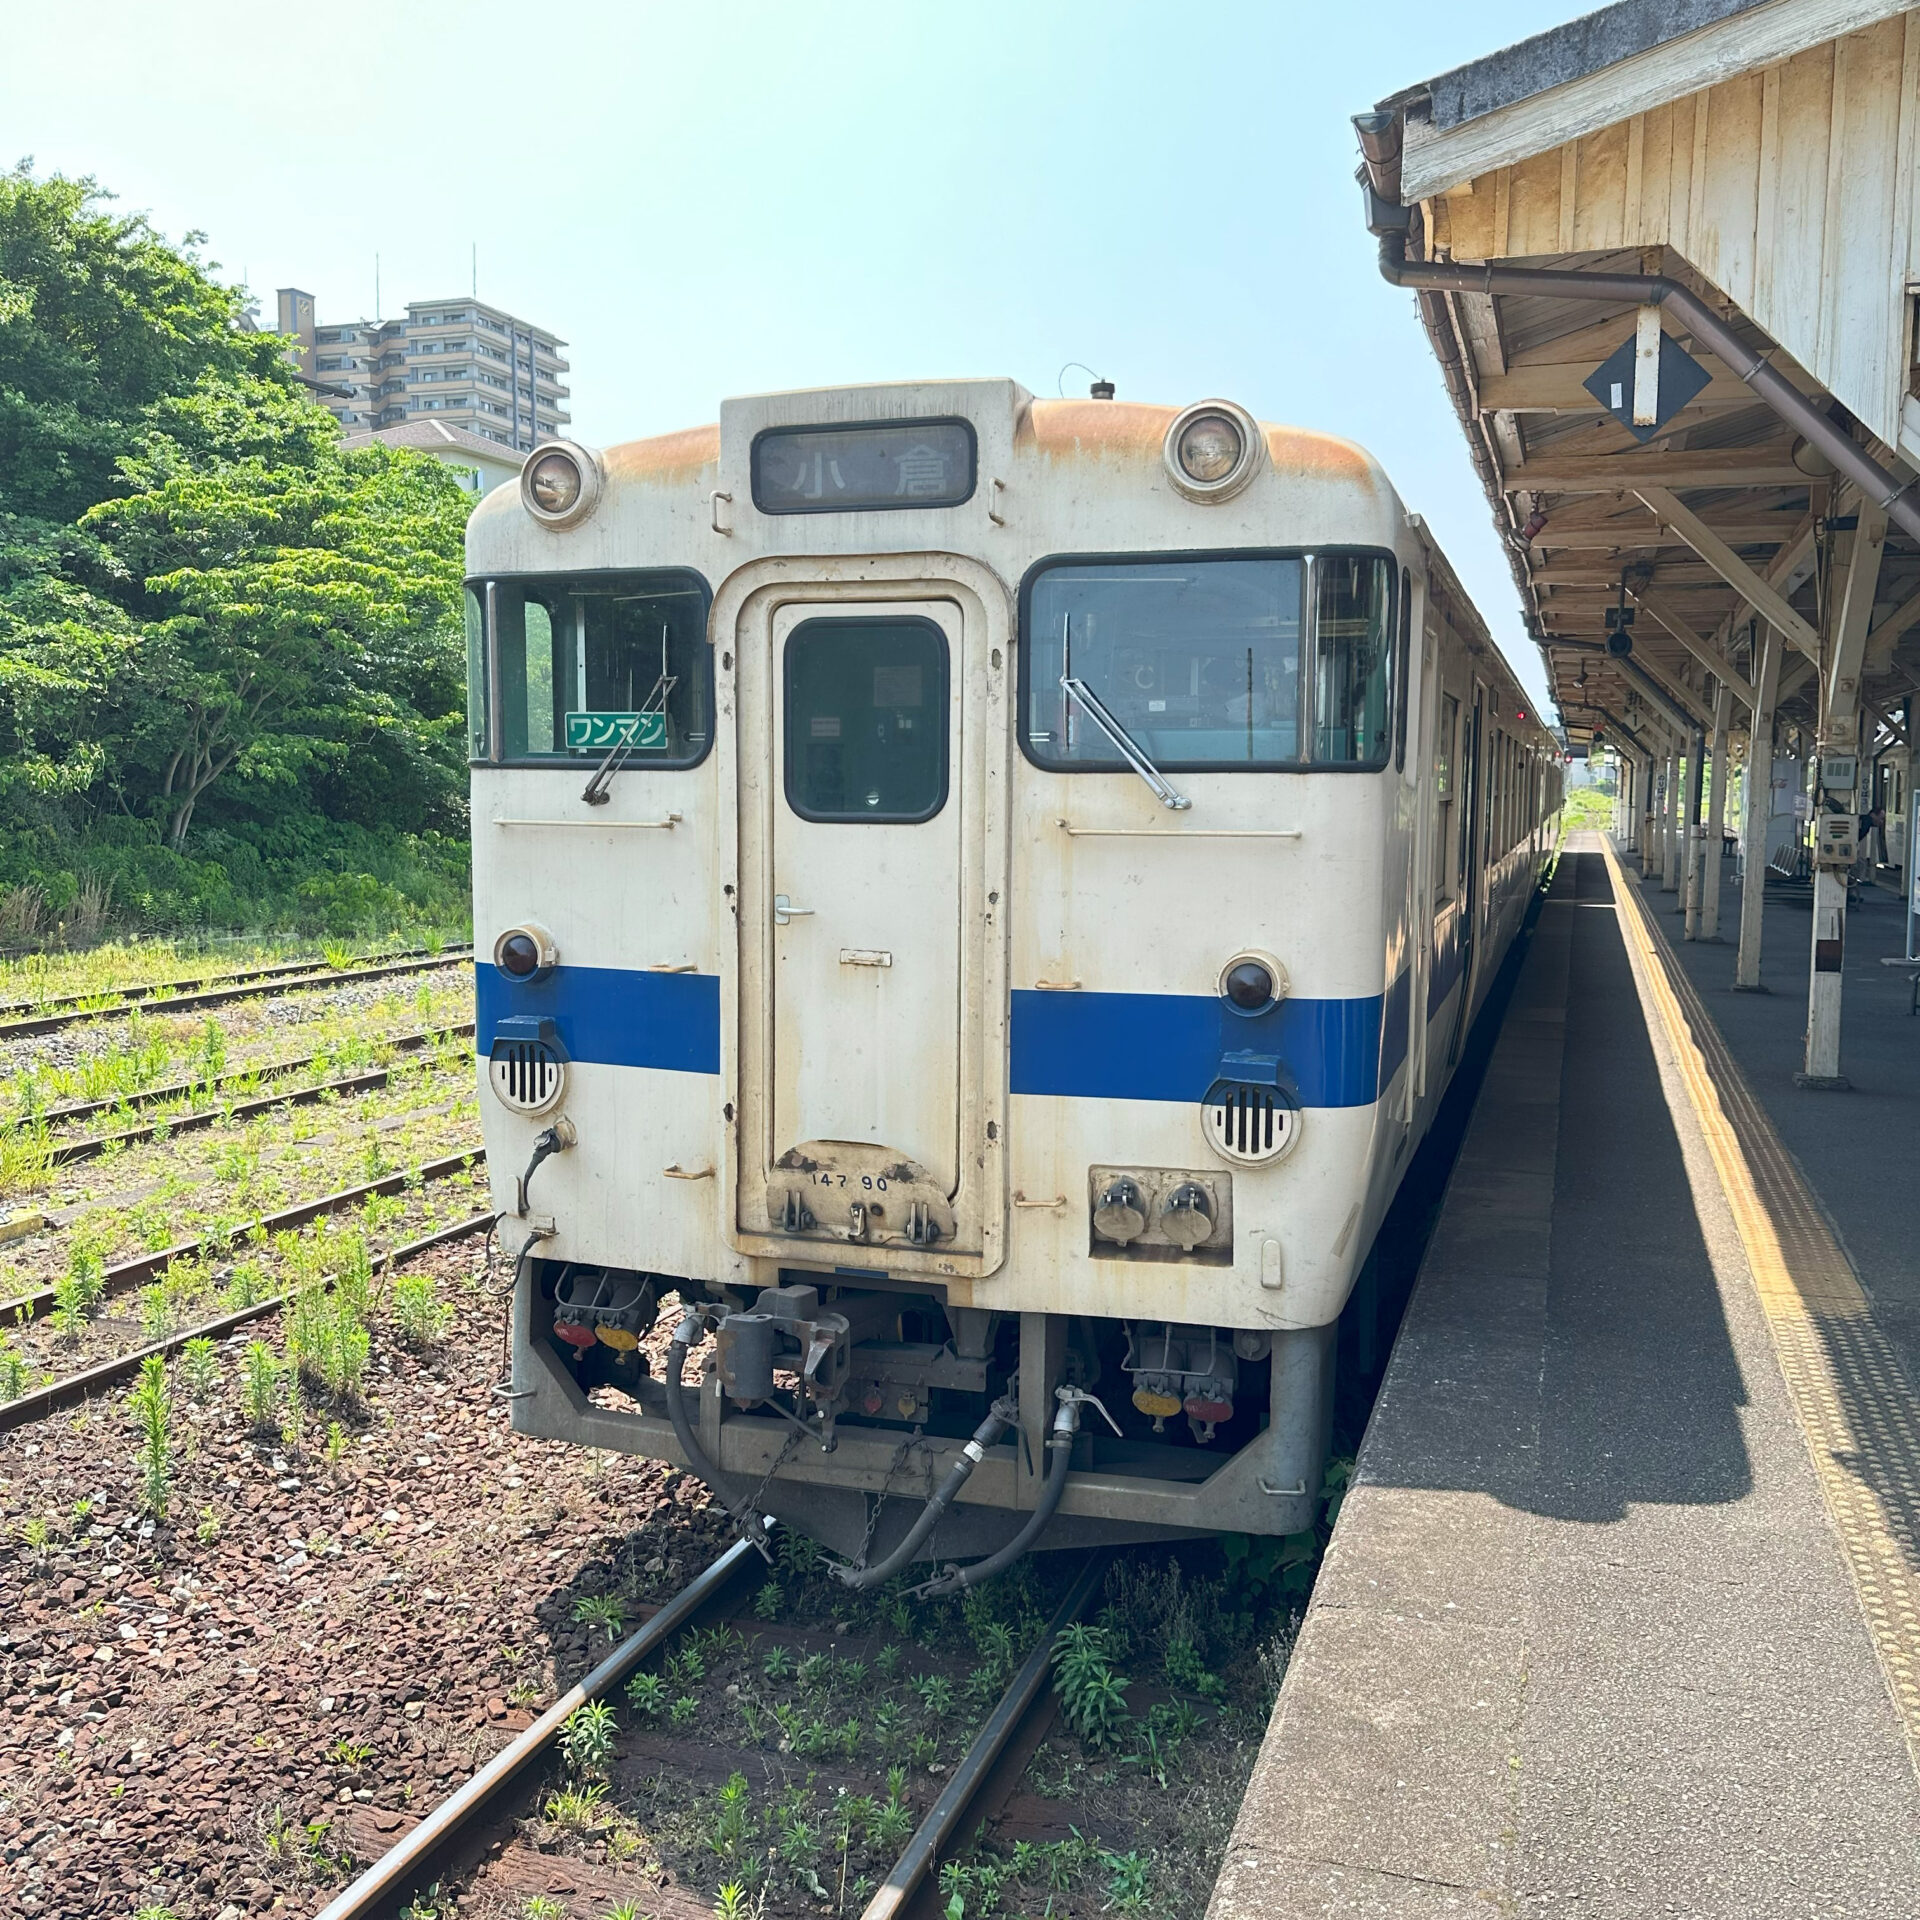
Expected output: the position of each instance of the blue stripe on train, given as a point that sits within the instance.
(1113, 1046)
(1167, 1046)
(613, 1017)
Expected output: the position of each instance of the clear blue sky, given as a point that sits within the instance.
(730, 198)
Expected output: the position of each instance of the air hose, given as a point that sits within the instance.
(1000, 1417)
(1066, 1426)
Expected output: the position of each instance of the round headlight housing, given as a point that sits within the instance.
(560, 483)
(526, 952)
(1251, 982)
(1213, 449)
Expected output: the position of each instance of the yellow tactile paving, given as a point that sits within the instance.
(1848, 1388)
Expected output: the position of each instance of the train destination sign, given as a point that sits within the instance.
(596, 732)
(879, 467)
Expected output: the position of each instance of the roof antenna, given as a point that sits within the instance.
(1100, 390)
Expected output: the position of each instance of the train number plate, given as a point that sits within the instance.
(586, 731)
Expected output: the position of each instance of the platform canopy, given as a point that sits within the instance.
(1739, 178)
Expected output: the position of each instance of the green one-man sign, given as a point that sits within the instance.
(589, 731)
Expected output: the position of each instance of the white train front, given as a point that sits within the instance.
(979, 898)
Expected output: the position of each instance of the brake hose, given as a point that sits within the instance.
(696, 1455)
(1000, 1417)
(1066, 1426)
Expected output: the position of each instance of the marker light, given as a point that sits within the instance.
(525, 952)
(1249, 986)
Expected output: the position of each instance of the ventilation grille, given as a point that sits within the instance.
(1249, 1124)
(527, 1075)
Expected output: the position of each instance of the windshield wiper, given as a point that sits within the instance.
(1128, 748)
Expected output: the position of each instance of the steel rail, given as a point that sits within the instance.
(75, 1387)
(378, 1889)
(181, 1089)
(147, 989)
(943, 1820)
(67, 1153)
(191, 1002)
(131, 1273)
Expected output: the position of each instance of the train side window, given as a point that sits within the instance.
(866, 720)
(588, 662)
(1353, 656)
(477, 747)
(1445, 746)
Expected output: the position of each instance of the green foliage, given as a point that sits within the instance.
(151, 1402)
(586, 1741)
(199, 1370)
(1093, 1698)
(327, 1342)
(231, 658)
(600, 1610)
(647, 1695)
(418, 1311)
(260, 1392)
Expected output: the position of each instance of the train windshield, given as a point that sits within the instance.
(1205, 661)
(584, 663)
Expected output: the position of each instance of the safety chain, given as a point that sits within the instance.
(878, 1501)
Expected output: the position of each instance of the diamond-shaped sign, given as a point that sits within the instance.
(1679, 378)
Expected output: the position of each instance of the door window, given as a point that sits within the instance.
(866, 719)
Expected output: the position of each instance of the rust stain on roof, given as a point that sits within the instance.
(1130, 430)
(665, 457)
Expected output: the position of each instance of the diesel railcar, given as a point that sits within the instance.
(977, 900)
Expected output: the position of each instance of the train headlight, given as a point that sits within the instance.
(1213, 450)
(525, 952)
(560, 483)
(1250, 983)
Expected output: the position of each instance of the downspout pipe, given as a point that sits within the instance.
(1391, 222)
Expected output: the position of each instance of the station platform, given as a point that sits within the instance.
(1621, 1616)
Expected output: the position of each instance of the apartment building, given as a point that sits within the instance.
(465, 363)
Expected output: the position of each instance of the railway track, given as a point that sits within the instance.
(128, 1274)
(444, 1840)
(70, 1152)
(165, 989)
(76, 1387)
(226, 996)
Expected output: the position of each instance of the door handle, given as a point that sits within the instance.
(784, 910)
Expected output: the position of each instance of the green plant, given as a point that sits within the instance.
(1129, 1881)
(336, 1447)
(1093, 1698)
(260, 1387)
(814, 1671)
(422, 1317)
(37, 1533)
(540, 1906)
(1186, 1667)
(152, 1405)
(777, 1664)
(208, 1530)
(576, 1805)
(733, 1903)
(767, 1602)
(686, 1665)
(199, 1370)
(293, 1421)
(732, 1828)
(626, 1910)
(16, 1376)
(887, 1661)
(350, 1753)
(586, 1740)
(683, 1710)
(936, 1694)
(600, 1610)
(647, 1694)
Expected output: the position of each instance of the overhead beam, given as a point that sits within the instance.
(1680, 697)
(1883, 638)
(1856, 605)
(1560, 387)
(1759, 592)
(1702, 649)
(1627, 472)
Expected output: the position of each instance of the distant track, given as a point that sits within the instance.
(134, 1273)
(149, 988)
(76, 1387)
(68, 1152)
(189, 1002)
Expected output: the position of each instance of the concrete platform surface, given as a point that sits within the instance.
(1586, 1641)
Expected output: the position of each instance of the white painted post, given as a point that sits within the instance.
(1716, 815)
(1695, 844)
(1753, 889)
(1839, 727)
(1670, 823)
